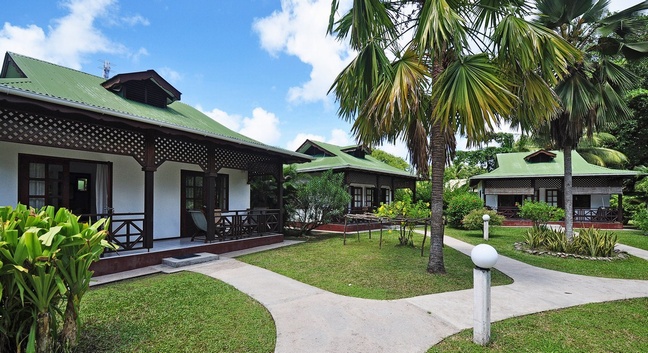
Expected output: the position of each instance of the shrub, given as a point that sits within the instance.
(318, 201)
(460, 205)
(589, 242)
(474, 220)
(541, 212)
(45, 272)
(640, 220)
(593, 242)
(406, 214)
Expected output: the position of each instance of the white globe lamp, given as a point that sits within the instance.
(484, 256)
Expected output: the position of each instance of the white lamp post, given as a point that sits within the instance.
(484, 257)
(486, 218)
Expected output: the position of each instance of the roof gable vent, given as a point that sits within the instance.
(541, 156)
(356, 151)
(146, 87)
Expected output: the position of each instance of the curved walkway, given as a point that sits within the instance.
(309, 319)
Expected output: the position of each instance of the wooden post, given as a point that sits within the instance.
(280, 196)
(381, 230)
(424, 236)
(345, 228)
(209, 187)
(149, 167)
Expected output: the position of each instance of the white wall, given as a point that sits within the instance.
(239, 189)
(128, 184)
(491, 201)
(600, 201)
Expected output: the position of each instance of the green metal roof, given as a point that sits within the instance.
(65, 86)
(514, 165)
(343, 160)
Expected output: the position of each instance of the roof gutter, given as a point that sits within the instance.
(25, 94)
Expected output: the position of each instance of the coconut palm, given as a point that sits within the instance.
(592, 95)
(425, 70)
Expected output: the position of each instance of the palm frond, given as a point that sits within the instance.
(440, 27)
(471, 96)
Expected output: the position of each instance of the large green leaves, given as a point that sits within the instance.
(471, 96)
(44, 258)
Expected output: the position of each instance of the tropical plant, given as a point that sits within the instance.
(474, 219)
(407, 215)
(640, 220)
(594, 242)
(592, 95)
(390, 159)
(540, 212)
(318, 201)
(589, 242)
(460, 206)
(415, 77)
(46, 259)
(598, 150)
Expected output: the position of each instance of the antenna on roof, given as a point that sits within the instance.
(106, 69)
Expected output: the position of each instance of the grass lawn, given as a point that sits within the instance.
(182, 312)
(606, 327)
(634, 238)
(361, 269)
(503, 238)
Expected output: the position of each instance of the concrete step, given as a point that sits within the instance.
(189, 259)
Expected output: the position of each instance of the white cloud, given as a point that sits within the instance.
(398, 149)
(170, 75)
(70, 38)
(138, 54)
(135, 20)
(338, 137)
(263, 126)
(299, 29)
(232, 122)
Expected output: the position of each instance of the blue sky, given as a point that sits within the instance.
(260, 67)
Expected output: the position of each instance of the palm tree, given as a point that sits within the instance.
(592, 95)
(595, 150)
(425, 70)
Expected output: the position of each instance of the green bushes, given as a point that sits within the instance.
(540, 212)
(317, 200)
(474, 220)
(408, 213)
(640, 220)
(45, 272)
(589, 242)
(460, 205)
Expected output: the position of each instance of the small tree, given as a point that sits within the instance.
(460, 205)
(474, 220)
(317, 201)
(541, 212)
(407, 214)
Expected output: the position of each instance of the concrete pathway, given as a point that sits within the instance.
(309, 319)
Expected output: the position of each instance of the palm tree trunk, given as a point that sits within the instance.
(43, 334)
(69, 332)
(435, 262)
(568, 193)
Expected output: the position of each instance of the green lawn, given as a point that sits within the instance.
(634, 238)
(189, 312)
(361, 269)
(606, 327)
(503, 238)
(182, 312)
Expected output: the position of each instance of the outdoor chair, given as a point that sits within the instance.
(200, 222)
